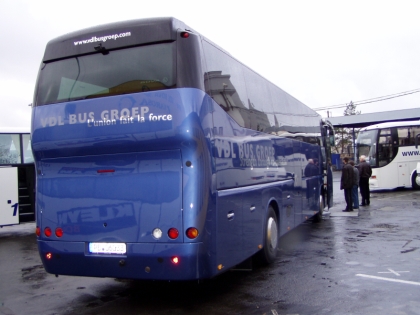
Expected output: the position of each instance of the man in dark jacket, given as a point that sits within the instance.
(347, 181)
(365, 172)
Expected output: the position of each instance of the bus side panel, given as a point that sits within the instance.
(229, 239)
(241, 216)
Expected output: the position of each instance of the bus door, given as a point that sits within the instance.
(9, 197)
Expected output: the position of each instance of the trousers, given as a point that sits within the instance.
(349, 199)
(364, 190)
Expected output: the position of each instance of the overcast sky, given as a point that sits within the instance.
(323, 53)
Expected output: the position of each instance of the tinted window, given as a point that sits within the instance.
(259, 100)
(366, 145)
(251, 100)
(10, 149)
(226, 84)
(27, 149)
(131, 70)
(407, 135)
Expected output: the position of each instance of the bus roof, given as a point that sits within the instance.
(4, 130)
(392, 124)
(112, 36)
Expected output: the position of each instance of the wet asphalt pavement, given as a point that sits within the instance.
(366, 262)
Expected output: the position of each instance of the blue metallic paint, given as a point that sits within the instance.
(192, 170)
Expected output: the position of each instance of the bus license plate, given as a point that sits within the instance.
(107, 248)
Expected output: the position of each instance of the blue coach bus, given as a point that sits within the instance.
(160, 156)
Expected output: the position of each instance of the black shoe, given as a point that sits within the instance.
(347, 210)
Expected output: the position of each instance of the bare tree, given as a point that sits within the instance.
(344, 136)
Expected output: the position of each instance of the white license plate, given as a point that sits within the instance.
(107, 248)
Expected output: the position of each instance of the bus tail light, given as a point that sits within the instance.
(38, 231)
(105, 171)
(47, 231)
(373, 176)
(192, 233)
(173, 233)
(48, 256)
(59, 232)
(185, 34)
(175, 260)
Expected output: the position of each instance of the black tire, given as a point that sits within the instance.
(271, 239)
(413, 181)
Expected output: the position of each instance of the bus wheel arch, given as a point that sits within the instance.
(268, 253)
(318, 215)
(415, 181)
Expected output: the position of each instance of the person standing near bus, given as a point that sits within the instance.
(347, 181)
(365, 172)
(355, 189)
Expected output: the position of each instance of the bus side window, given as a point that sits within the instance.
(405, 136)
(415, 132)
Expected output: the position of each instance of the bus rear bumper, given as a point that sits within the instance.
(142, 261)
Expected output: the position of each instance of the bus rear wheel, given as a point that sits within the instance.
(271, 239)
(415, 182)
(318, 215)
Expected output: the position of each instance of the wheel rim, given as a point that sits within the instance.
(416, 179)
(272, 233)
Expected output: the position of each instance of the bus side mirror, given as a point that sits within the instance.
(417, 141)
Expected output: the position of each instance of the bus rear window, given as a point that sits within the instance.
(130, 70)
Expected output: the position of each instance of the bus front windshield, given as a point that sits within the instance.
(129, 70)
(366, 145)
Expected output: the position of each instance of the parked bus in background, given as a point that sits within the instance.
(391, 152)
(17, 173)
(160, 156)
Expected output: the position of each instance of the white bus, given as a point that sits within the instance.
(391, 151)
(17, 177)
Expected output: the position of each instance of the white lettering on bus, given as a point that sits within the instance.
(159, 117)
(108, 117)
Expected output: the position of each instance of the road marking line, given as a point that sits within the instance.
(388, 279)
(394, 272)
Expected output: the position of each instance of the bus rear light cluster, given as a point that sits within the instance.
(175, 260)
(192, 233)
(185, 34)
(172, 233)
(48, 232)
